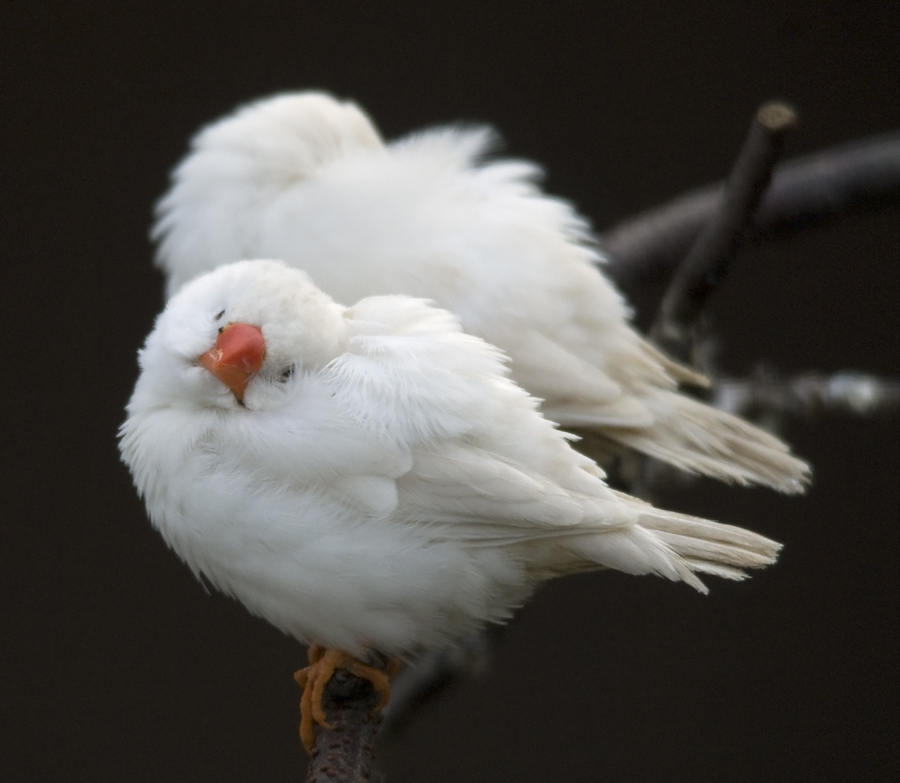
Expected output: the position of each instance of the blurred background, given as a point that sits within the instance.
(117, 665)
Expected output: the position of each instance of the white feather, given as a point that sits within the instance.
(393, 492)
(306, 178)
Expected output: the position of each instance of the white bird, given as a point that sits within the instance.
(368, 478)
(308, 179)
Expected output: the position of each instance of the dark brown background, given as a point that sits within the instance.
(115, 663)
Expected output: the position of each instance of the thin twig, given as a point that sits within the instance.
(809, 394)
(863, 175)
(708, 259)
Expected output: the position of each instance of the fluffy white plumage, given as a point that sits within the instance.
(382, 484)
(306, 178)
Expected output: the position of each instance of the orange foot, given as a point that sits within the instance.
(314, 678)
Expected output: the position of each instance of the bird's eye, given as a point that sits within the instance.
(219, 315)
(286, 374)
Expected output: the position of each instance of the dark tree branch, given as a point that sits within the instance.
(807, 395)
(861, 176)
(707, 261)
(345, 752)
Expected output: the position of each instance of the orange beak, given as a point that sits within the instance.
(238, 354)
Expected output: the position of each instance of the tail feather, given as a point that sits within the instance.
(700, 551)
(710, 547)
(722, 571)
(701, 439)
(678, 546)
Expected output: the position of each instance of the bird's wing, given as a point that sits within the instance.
(483, 460)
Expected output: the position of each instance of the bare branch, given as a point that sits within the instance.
(808, 395)
(709, 257)
(807, 192)
(346, 751)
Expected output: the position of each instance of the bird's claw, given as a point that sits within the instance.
(322, 664)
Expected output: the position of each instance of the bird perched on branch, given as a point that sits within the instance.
(368, 478)
(306, 178)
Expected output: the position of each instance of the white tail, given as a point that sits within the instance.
(677, 546)
(701, 439)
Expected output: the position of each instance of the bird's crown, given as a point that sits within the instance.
(302, 327)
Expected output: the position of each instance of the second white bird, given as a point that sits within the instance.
(306, 178)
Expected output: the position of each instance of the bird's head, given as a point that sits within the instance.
(237, 338)
(238, 164)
